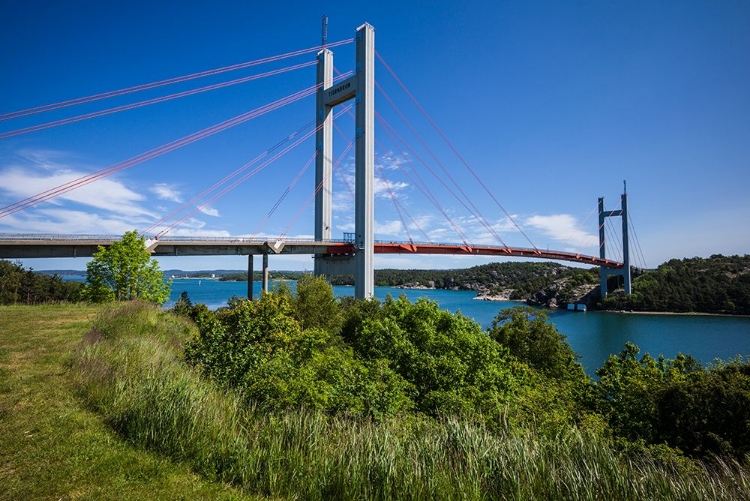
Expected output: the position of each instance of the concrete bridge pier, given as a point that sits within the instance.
(264, 279)
(250, 277)
(264, 275)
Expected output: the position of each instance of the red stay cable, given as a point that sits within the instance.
(473, 210)
(226, 179)
(161, 83)
(140, 104)
(317, 189)
(466, 164)
(425, 191)
(283, 196)
(64, 188)
(237, 182)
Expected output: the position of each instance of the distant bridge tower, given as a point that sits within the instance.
(625, 271)
(361, 88)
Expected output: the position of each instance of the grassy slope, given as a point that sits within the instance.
(53, 448)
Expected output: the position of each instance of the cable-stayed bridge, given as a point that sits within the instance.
(352, 255)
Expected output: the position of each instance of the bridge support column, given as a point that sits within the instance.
(364, 195)
(603, 272)
(324, 154)
(361, 88)
(264, 279)
(625, 245)
(625, 271)
(250, 277)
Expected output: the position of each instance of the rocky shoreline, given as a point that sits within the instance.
(556, 295)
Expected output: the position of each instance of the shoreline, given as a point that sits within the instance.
(674, 313)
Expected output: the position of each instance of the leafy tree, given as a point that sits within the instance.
(367, 358)
(629, 391)
(316, 305)
(707, 412)
(532, 339)
(124, 271)
(454, 367)
(183, 305)
(650, 402)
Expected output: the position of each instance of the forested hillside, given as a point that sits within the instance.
(718, 284)
(241, 276)
(517, 280)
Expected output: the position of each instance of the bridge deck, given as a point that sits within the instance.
(49, 246)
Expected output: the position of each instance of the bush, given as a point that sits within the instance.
(700, 412)
(455, 368)
(261, 348)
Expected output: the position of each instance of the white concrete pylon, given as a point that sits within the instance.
(361, 88)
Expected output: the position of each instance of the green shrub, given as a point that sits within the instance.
(676, 403)
(261, 348)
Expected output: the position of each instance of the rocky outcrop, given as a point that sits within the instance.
(416, 285)
(560, 293)
(501, 295)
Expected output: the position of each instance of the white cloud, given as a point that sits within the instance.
(349, 226)
(105, 193)
(342, 202)
(561, 228)
(106, 206)
(383, 188)
(274, 236)
(390, 228)
(44, 159)
(166, 192)
(190, 227)
(343, 193)
(209, 211)
(392, 161)
(63, 221)
(197, 232)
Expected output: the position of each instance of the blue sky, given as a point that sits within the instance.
(553, 104)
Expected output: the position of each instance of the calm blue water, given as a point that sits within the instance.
(593, 335)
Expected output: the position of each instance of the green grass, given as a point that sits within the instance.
(54, 447)
(129, 370)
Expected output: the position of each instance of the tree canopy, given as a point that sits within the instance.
(21, 286)
(123, 271)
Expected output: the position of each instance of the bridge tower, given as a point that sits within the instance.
(361, 88)
(625, 271)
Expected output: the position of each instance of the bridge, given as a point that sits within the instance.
(353, 255)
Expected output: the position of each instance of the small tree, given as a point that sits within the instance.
(316, 305)
(532, 339)
(183, 305)
(124, 271)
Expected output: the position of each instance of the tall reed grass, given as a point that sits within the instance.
(129, 369)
